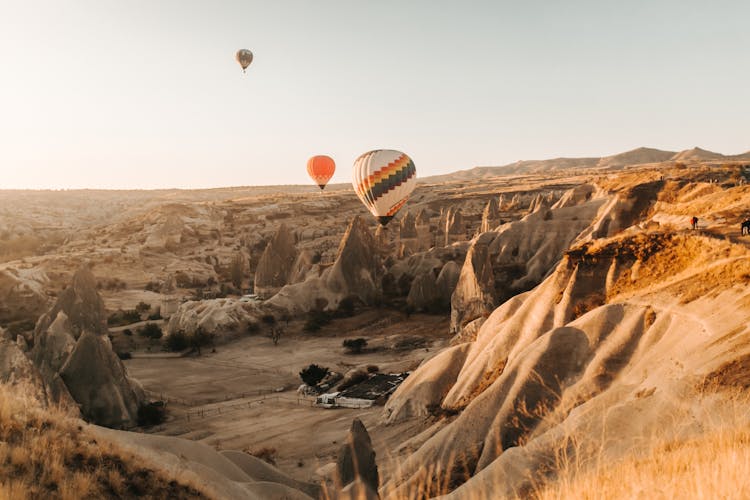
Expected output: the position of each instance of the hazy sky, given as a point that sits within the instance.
(143, 94)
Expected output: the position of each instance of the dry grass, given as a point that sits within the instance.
(715, 465)
(44, 453)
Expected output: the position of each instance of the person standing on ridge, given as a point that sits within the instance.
(694, 222)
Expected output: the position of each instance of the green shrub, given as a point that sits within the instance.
(200, 338)
(316, 320)
(268, 319)
(313, 374)
(120, 317)
(151, 331)
(346, 307)
(143, 307)
(152, 413)
(178, 341)
(354, 346)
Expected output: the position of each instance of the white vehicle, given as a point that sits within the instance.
(250, 298)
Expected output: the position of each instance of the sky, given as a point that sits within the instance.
(147, 94)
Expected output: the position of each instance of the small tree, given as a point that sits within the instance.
(143, 307)
(178, 341)
(313, 374)
(200, 338)
(153, 413)
(269, 320)
(151, 331)
(346, 307)
(316, 320)
(354, 346)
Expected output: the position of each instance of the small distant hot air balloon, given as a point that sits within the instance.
(321, 169)
(244, 57)
(383, 179)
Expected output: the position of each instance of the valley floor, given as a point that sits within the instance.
(244, 396)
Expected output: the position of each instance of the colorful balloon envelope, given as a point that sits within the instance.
(244, 57)
(321, 169)
(383, 180)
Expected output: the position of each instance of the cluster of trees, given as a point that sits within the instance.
(180, 340)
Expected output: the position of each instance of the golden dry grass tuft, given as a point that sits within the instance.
(715, 465)
(44, 453)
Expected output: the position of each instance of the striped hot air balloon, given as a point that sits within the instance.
(321, 169)
(383, 180)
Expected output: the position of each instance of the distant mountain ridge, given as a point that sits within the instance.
(638, 156)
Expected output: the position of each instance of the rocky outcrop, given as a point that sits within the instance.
(502, 203)
(576, 196)
(223, 318)
(166, 235)
(422, 392)
(18, 371)
(74, 355)
(474, 295)
(446, 282)
(455, 228)
(407, 226)
(356, 272)
(423, 294)
(97, 380)
(276, 263)
(523, 252)
(433, 293)
(22, 295)
(490, 216)
(540, 202)
(357, 458)
(357, 268)
(302, 265)
(580, 359)
(423, 218)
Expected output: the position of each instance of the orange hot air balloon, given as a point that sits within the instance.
(321, 169)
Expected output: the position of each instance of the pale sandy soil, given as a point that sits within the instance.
(240, 417)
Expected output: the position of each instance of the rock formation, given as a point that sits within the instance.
(75, 357)
(356, 272)
(474, 295)
(276, 263)
(423, 218)
(166, 235)
(407, 226)
(18, 371)
(96, 379)
(423, 294)
(357, 268)
(22, 295)
(223, 318)
(490, 216)
(302, 265)
(409, 241)
(357, 458)
(502, 203)
(580, 358)
(455, 228)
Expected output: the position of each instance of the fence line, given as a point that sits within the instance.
(221, 410)
(266, 395)
(207, 401)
